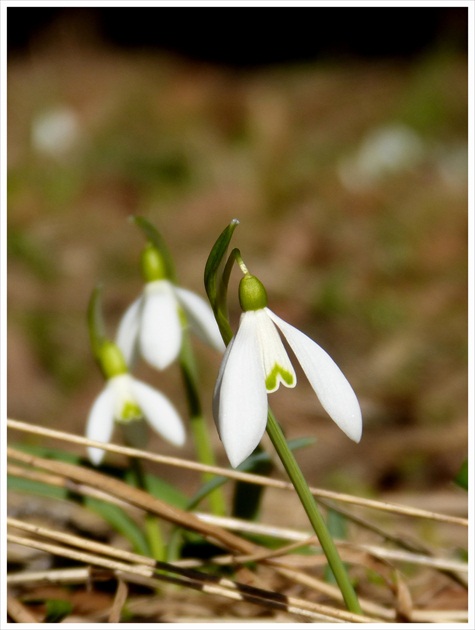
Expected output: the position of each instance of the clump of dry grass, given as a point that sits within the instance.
(398, 578)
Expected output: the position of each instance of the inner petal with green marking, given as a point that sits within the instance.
(278, 375)
(130, 411)
(276, 364)
(126, 408)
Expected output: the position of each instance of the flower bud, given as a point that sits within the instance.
(252, 293)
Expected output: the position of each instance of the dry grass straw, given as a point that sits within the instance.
(96, 561)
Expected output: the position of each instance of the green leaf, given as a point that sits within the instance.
(120, 522)
(157, 240)
(461, 478)
(95, 321)
(38, 488)
(301, 442)
(117, 518)
(31, 486)
(247, 496)
(337, 526)
(216, 288)
(112, 514)
(204, 491)
(46, 451)
(258, 460)
(177, 546)
(215, 260)
(57, 610)
(160, 489)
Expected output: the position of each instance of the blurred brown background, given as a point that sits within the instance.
(341, 146)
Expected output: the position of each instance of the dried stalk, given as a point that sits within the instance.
(192, 579)
(234, 474)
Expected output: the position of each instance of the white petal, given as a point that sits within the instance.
(100, 422)
(242, 415)
(275, 360)
(327, 380)
(127, 333)
(160, 329)
(126, 408)
(159, 412)
(217, 387)
(201, 317)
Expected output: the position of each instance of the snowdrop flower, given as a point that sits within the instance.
(56, 131)
(129, 402)
(153, 324)
(256, 363)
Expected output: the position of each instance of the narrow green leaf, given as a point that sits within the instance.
(157, 240)
(205, 490)
(256, 460)
(301, 442)
(38, 488)
(247, 497)
(112, 514)
(216, 260)
(95, 321)
(160, 489)
(461, 478)
(213, 279)
(57, 610)
(46, 451)
(120, 522)
(338, 528)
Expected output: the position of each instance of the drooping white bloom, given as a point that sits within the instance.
(153, 324)
(127, 400)
(256, 363)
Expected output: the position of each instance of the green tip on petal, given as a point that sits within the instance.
(278, 373)
(111, 360)
(130, 412)
(153, 264)
(252, 294)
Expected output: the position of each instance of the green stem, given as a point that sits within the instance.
(308, 502)
(154, 537)
(152, 524)
(198, 425)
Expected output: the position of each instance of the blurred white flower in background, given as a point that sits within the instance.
(385, 151)
(55, 131)
(127, 401)
(451, 161)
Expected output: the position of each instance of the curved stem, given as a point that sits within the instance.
(316, 519)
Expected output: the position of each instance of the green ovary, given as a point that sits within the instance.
(273, 377)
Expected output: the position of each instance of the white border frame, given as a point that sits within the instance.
(4, 5)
